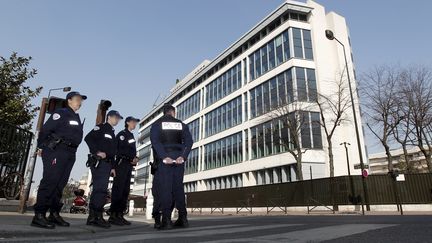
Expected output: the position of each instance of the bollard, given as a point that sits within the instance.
(131, 208)
(149, 206)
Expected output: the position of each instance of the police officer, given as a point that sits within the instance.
(125, 160)
(57, 145)
(172, 142)
(102, 145)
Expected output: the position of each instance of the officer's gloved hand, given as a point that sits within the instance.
(179, 160)
(101, 154)
(39, 152)
(168, 161)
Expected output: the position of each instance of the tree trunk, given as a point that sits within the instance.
(406, 157)
(299, 166)
(331, 157)
(389, 157)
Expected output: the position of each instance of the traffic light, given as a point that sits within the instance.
(55, 103)
(103, 106)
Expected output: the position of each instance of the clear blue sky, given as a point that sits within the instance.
(130, 51)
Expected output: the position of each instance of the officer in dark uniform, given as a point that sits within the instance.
(126, 159)
(172, 142)
(102, 145)
(57, 145)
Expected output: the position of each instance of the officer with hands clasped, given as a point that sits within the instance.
(102, 145)
(172, 142)
(125, 160)
(57, 145)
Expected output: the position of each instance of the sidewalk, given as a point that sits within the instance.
(15, 225)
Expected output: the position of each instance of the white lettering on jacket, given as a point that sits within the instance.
(131, 141)
(73, 123)
(172, 126)
(108, 136)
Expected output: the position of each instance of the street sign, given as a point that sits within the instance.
(358, 167)
(400, 177)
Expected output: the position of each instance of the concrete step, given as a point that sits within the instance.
(9, 205)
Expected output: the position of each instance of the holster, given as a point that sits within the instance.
(93, 160)
(154, 166)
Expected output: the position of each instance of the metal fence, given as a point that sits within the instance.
(381, 189)
(14, 148)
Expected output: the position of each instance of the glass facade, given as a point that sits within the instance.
(194, 129)
(191, 165)
(277, 51)
(225, 182)
(273, 136)
(223, 152)
(189, 107)
(190, 186)
(224, 85)
(225, 116)
(279, 91)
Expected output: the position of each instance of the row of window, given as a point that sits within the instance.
(277, 136)
(279, 90)
(280, 174)
(223, 152)
(194, 128)
(190, 186)
(226, 182)
(189, 107)
(225, 116)
(277, 51)
(224, 85)
(191, 165)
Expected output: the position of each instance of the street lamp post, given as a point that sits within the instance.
(329, 34)
(353, 198)
(65, 89)
(28, 177)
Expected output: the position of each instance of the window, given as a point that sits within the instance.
(189, 107)
(253, 103)
(316, 130)
(223, 85)
(273, 94)
(279, 50)
(312, 89)
(266, 97)
(223, 152)
(271, 54)
(307, 42)
(289, 84)
(286, 46)
(264, 59)
(298, 47)
(282, 100)
(301, 84)
(305, 130)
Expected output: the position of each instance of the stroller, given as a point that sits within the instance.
(79, 204)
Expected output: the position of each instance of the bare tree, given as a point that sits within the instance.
(418, 91)
(333, 108)
(293, 119)
(382, 108)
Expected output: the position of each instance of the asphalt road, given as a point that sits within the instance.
(217, 229)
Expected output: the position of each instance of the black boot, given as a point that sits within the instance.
(125, 221)
(157, 223)
(96, 219)
(55, 218)
(182, 222)
(115, 219)
(166, 223)
(39, 220)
